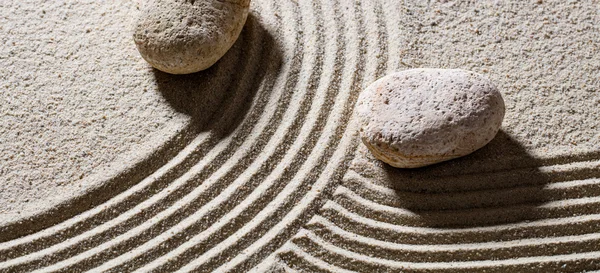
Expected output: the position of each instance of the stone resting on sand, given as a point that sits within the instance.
(187, 36)
(420, 117)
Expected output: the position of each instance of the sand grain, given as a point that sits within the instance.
(271, 175)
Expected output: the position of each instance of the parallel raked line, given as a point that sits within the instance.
(425, 202)
(214, 204)
(94, 232)
(375, 67)
(89, 220)
(353, 261)
(123, 174)
(36, 240)
(175, 167)
(271, 184)
(397, 233)
(301, 182)
(304, 210)
(228, 204)
(248, 145)
(217, 231)
(582, 185)
(455, 217)
(113, 229)
(544, 246)
(502, 179)
(298, 260)
(273, 145)
(113, 208)
(153, 248)
(287, 227)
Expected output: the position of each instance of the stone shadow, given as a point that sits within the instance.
(498, 184)
(219, 97)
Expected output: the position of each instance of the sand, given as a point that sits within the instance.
(255, 164)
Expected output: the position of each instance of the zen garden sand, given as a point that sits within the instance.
(256, 164)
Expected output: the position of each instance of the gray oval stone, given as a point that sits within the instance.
(187, 36)
(420, 117)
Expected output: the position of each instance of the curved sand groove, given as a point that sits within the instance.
(570, 245)
(489, 198)
(137, 168)
(371, 237)
(372, 67)
(327, 231)
(194, 241)
(544, 218)
(276, 206)
(454, 217)
(268, 175)
(201, 137)
(209, 207)
(275, 119)
(421, 235)
(300, 260)
(196, 149)
(354, 261)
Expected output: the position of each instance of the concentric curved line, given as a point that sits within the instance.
(274, 233)
(379, 62)
(494, 180)
(131, 170)
(527, 247)
(262, 189)
(137, 212)
(353, 261)
(258, 241)
(195, 149)
(453, 217)
(581, 185)
(487, 199)
(111, 262)
(358, 224)
(265, 216)
(295, 258)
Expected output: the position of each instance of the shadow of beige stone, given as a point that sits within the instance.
(223, 93)
(498, 184)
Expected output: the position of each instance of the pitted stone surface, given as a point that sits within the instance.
(182, 37)
(420, 117)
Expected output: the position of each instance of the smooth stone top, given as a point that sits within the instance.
(420, 117)
(187, 36)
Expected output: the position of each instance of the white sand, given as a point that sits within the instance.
(255, 163)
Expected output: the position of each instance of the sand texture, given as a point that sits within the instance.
(256, 164)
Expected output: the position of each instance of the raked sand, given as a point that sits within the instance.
(255, 164)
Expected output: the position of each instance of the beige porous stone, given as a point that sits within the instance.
(420, 117)
(187, 36)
